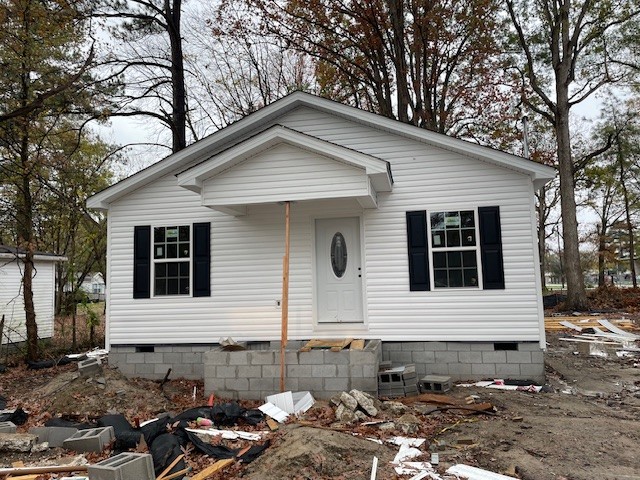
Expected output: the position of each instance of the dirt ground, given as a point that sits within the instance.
(585, 427)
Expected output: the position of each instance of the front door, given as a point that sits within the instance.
(338, 270)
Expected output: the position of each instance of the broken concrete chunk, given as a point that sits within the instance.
(365, 402)
(395, 408)
(348, 401)
(17, 442)
(7, 427)
(344, 415)
(360, 415)
(408, 423)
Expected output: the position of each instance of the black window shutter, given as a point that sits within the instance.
(201, 259)
(491, 248)
(418, 251)
(142, 262)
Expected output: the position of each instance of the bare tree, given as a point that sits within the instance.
(568, 49)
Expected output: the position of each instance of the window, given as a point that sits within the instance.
(172, 260)
(449, 249)
(454, 249)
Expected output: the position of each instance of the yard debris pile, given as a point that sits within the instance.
(601, 338)
(479, 431)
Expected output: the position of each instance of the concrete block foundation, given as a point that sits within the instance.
(255, 372)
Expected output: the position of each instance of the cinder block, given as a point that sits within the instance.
(458, 346)
(266, 384)
(470, 357)
(494, 357)
(413, 346)
(172, 358)
(336, 384)
(153, 357)
(508, 370)
(337, 358)
(8, 427)
(88, 367)
(529, 347)
(391, 346)
(263, 358)
(54, 436)
(488, 369)
(246, 371)
(236, 384)
(535, 371)
(91, 440)
(125, 466)
(369, 385)
(423, 357)
(314, 357)
(299, 371)
(400, 357)
(518, 357)
(439, 368)
(435, 383)
(435, 346)
(239, 358)
(270, 371)
(323, 371)
(460, 369)
(447, 357)
(216, 357)
(227, 372)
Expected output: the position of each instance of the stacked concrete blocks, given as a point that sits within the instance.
(397, 382)
(125, 466)
(435, 383)
(90, 440)
(254, 374)
(7, 427)
(470, 360)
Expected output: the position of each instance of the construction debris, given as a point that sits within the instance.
(355, 406)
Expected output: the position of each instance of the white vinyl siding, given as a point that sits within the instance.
(284, 172)
(246, 252)
(12, 303)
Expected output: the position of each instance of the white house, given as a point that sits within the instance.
(11, 299)
(425, 242)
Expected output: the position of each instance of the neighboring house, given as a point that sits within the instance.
(425, 242)
(11, 293)
(93, 285)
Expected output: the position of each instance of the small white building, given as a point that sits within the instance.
(425, 242)
(11, 293)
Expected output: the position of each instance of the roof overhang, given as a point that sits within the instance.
(376, 173)
(247, 126)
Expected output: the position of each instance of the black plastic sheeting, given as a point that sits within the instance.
(3, 403)
(41, 364)
(166, 446)
(18, 417)
(126, 436)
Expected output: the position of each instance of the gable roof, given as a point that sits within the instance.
(230, 135)
(378, 169)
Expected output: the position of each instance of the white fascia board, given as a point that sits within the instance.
(41, 258)
(192, 178)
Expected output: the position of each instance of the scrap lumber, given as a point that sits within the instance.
(335, 345)
(215, 468)
(432, 398)
(166, 471)
(33, 476)
(557, 324)
(52, 469)
(357, 345)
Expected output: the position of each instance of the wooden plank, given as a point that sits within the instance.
(273, 425)
(215, 468)
(345, 343)
(357, 345)
(432, 398)
(285, 291)
(332, 344)
(171, 465)
(25, 477)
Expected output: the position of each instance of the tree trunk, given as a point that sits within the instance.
(24, 227)
(541, 207)
(629, 225)
(576, 293)
(179, 104)
(602, 250)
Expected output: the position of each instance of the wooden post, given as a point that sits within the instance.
(285, 292)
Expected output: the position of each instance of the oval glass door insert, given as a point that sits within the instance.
(338, 254)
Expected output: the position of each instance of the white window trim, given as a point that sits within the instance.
(171, 260)
(431, 251)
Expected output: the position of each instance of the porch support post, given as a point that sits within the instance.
(285, 291)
